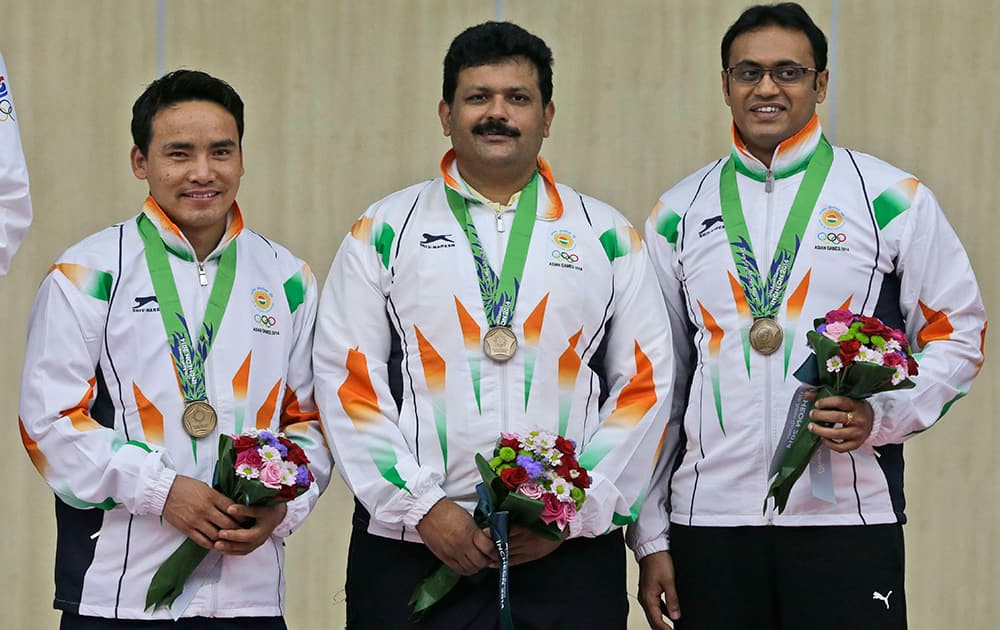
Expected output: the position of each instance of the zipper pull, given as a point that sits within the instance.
(500, 227)
(202, 278)
(769, 181)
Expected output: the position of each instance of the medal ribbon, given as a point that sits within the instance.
(500, 295)
(188, 359)
(765, 298)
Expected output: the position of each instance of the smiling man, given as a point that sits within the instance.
(489, 300)
(123, 429)
(853, 233)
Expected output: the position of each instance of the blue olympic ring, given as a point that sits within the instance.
(568, 257)
(831, 237)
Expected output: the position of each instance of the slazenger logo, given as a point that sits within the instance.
(142, 304)
(436, 241)
(709, 225)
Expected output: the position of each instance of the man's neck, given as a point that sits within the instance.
(497, 185)
(205, 240)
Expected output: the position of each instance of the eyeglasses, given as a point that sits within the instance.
(748, 74)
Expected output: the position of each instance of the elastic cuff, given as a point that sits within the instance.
(878, 411)
(296, 511)
(422, 505)
(159, 490)
(645, 549)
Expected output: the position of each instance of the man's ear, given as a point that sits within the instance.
(138, 161)
(444, 113)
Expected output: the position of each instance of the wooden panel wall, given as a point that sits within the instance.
(341, 110)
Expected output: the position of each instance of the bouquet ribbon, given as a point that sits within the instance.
(499, 531)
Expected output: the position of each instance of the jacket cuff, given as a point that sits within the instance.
(159, 484)
(651, 547)
(422, 505)
(296, 511)
(878, 412)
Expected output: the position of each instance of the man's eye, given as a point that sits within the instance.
(749, 76)
(519, 98)
(790, 73)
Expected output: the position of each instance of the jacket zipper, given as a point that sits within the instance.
(768, 454)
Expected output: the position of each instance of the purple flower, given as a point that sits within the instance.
(532, 467)
(302, 476)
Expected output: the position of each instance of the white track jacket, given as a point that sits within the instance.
(101, 406)
(877, 243)
(408, 396)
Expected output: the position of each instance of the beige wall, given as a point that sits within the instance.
(341, 110)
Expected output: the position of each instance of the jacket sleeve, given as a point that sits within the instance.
(944, 314)
(351, 354)
(299, 418)
(621, 454)
(15, 202)
(86, 463)
(651, 531)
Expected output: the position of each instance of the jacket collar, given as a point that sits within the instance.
(175, 241)
(549, 208)
(790, 157)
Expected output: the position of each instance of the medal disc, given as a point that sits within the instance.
(199, 418)
(500, 343)
(765, 335)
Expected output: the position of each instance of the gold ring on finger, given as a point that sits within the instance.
(850, 419)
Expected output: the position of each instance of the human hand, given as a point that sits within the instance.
(451, 535)
(197, 510)
(525, 545)
(855, 418)
(657, 592)
(243, 540)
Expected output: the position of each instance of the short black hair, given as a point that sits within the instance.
(181, 86)
(491, 42)
(788, 15)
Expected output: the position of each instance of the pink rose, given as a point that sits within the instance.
(531, 490)
(842, 317)
(250, 457)
(836, 330)
(270, 474)
(555, 511)
(899, 337)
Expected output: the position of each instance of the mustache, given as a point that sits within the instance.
(496, 127)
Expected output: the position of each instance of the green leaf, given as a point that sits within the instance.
(431, 590)
(168, 581)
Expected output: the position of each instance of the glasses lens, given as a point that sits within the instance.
(747, 74)
(788, 74)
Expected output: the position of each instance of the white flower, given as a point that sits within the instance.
(834, 364)
(269, 454)
(288, 472)
(247, 471)
(891, 345)
(561, 488)
(869, 355)
(899, 376)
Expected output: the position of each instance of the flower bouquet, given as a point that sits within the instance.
(533, 480)
(254, 468)
(853, 356)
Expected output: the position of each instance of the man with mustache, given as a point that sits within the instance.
(538, 311)
(855, 234)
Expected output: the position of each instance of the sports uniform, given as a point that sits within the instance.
(877, 243)
(15, 201)
(407, 394)
(101, 407)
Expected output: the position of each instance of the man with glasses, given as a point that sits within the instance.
(749, 250)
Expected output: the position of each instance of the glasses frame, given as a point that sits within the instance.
(770, 73)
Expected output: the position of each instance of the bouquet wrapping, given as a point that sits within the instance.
(254, 468)
(533, 480)
(853, 356)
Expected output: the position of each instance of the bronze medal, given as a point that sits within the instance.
(765, 335)
(500, 343)
(199, 418)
